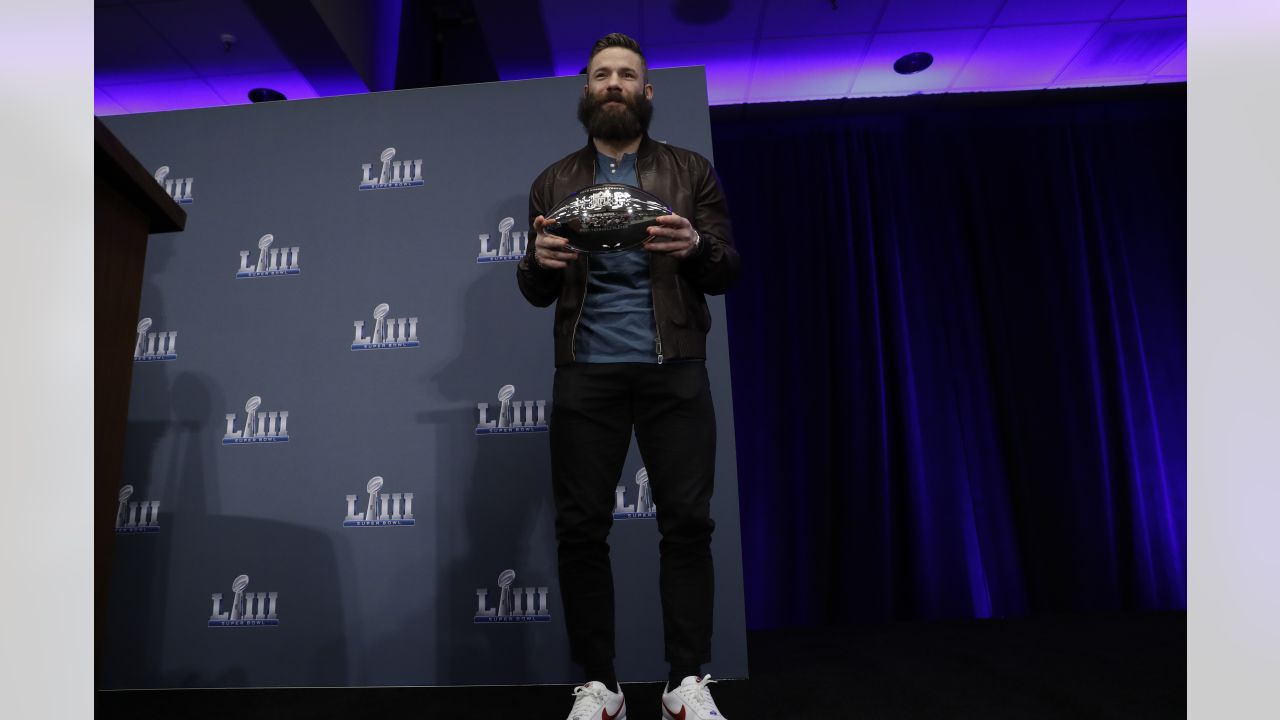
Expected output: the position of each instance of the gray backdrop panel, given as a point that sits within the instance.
(370, 605)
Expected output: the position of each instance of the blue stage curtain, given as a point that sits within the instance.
(959, 353)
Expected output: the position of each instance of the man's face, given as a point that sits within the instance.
(616, 103)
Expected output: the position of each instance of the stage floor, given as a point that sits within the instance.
(1041, 668)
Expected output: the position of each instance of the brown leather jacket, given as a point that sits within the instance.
(687, 183)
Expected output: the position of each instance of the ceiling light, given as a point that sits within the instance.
(265, 95)
(912, 63)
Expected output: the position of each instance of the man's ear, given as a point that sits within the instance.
(648, 91)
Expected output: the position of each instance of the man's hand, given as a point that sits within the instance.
(551, 251)
(673, 235)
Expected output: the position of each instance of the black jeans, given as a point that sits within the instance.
(594, 408)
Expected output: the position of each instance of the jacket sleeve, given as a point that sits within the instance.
(539, 285)
(714, 268)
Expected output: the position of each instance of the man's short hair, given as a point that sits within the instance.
(622, 41)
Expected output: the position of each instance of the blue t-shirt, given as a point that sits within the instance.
(617, 323)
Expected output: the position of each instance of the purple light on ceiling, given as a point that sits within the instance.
(728, 67)
(806, 68)
(949, 48)
(234, 89)
(1127, 49)
(1003, 59)
(167, 95)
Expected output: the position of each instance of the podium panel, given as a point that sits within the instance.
(336, 467)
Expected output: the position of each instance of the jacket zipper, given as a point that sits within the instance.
(657, 340)
(573, 336)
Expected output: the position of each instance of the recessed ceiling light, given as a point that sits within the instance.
(701, 12)
(912, 63)
(265, 95)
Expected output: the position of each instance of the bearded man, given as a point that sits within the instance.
(630, 347)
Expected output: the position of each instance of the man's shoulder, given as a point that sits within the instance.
(679, 155)
(560, 164)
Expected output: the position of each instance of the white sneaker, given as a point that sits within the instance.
(594, 701)
(691, 700)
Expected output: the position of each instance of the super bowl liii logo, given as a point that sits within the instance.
(259, 427)
(514, 416)
(393, 174)
(514, 606)
(272, 262)
(151, 346)
(511, 245)
(255, 609)
(388, 333)
(383, 510)
(644, 507)
(137, 516)
(179, 189)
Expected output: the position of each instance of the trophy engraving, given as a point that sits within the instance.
(505, 393)
(264, 242)
(504, 600)
(504, 242)
(379, 325)
(139, 347)
(237, 603)
(644, 501)
(385, 176)
(375, 484)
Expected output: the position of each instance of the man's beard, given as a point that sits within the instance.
(626, 123)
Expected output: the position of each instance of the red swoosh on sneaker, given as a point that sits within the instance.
(674, 716)
(604, 712)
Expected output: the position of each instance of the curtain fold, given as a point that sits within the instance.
(959, 353)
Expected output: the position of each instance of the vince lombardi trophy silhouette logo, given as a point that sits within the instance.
(514, 606)
(393, 174)
(152, 346)
(514, 416)
(511, 245)
(136, 517)
(247, 609)
(259, 427)
(388, 333)
(179, 189)
(644, 507)
(383, 510)
(272, 262)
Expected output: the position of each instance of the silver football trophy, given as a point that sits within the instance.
(605, 218)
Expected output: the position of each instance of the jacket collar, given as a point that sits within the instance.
(647, 144)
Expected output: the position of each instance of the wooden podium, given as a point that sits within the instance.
(128, 205)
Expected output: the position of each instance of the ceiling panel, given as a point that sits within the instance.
(661, 27)
(1130, 9)
(1132, 48)
(234, 89)
(1032, 12)
(903, 15)
(762, 50)
(1026, 56)
(728, 66)
(800, 68)
(798, 18)
(1175, 65)
(949, 48)
(127, 49)
(575, 25)
(170, 95)
(103, 104)
(195, 27)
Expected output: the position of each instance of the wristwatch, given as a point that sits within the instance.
(697, 239)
